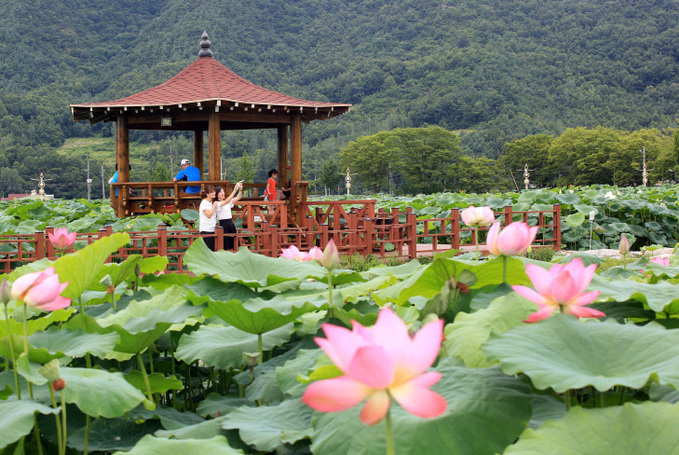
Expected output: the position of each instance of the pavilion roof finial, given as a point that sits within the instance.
(205, 46)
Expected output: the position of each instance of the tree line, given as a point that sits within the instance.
(429, 159)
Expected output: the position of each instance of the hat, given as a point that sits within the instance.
(185, 161)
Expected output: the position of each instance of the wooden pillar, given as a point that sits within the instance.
(122, 160)
(198, 150)
(283, 156)
(296, 147)
(214, 146)
(296, 164)
(123, 149)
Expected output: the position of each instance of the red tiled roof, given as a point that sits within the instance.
(208, 80)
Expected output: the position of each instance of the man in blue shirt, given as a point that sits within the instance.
(190, 174)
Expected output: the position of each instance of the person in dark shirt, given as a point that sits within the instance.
(189, 174)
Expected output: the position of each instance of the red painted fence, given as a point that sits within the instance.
(355, 226)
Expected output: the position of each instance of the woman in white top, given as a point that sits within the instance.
(207, 216)
(224, 206)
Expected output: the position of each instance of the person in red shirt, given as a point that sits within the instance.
(270, 192)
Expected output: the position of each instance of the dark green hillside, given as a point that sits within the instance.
(497, 69)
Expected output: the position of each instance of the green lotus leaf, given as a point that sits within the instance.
(106, 435)
(153, 264)
(269, 427)
(616, 228)
(99, 393)
(17, 419)
(542, 207)
(245, 267)
(169, 306)
(486, 411)
(158, 382)
(400, 271)
(36, 324)
(82, 267)
(288, 375)
(216, 404)
(575, 219)
(223, 347)
(631, 429)
(151, 445)
(260, 316)
(209, 288)
(118, 272)
(428, 281)
(635, 204)
(71, 343)
(585, 209)
(568, 198)
(564, 353)
(205, 430)
(465, 336)
(657, 296)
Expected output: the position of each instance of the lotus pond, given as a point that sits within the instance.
(218, 361)
(646, 216)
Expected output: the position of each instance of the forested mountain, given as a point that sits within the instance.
(494, 70)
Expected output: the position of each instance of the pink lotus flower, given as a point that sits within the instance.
(661, 261)
(513, 240)
(380, 363)
(563, 286)
(315, 253)
(477, 216)
(41, 290)
(61, 239)
(294, 253)
(330, 257)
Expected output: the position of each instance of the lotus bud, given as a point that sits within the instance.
(50, 370)
(5, 291)
(330, 256)
(592, 214)
(250, 359)
(624, 245)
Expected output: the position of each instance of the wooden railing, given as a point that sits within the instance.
(136, 198)
(264, 229)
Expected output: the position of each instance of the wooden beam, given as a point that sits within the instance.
(198, 150)
(283, 156)
(214, 146)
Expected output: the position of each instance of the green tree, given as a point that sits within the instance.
(580, 156)
(626, 161)
(477, 175)
(372, 157)
(246, 169)
(11, 182)
(330, 175)
(531, 150)
(427, 153)
(161, 174)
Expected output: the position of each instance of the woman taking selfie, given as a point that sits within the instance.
(207, 216)
(224, 206)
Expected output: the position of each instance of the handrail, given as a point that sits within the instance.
(265, 230)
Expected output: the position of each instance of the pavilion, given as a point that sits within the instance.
(206, 96)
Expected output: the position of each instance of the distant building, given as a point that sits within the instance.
(14, 196)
